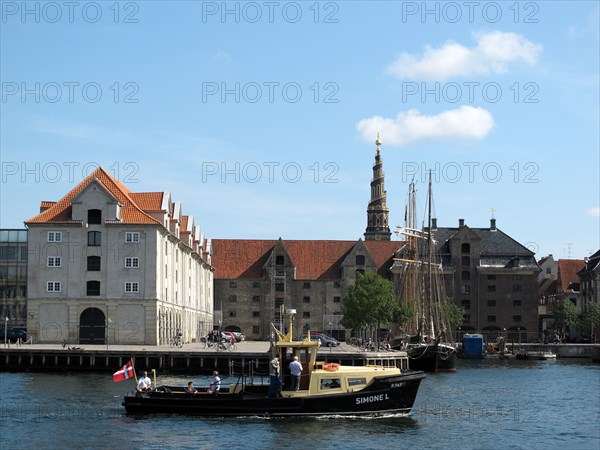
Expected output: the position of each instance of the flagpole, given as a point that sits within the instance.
(134, 372)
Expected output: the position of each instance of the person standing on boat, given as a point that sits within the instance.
(215, 383)
(295, 372)
(145, 383)
(274, 371)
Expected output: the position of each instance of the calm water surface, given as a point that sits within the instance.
(485, 404)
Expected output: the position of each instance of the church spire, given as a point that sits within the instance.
(377, 212)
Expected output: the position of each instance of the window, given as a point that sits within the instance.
(134, 236)
(466, 275)
(465, 248)
(94, 216)
(132, 286)
(516, 277)
(256, 298)
(491, 277)
(93, 288)
(233, 298)
(356, 381)
(466, 261)
(54, 236)
(94, 238)
(255, 329)
(491, 303)
(54, 261)
(360, 260)
(93, 263)
(466, 304)
(336, 284)
(516, 318)
(360, 271)
(306, 299)
(231, 313)
(132, 262)
(306, 315)
(306, 285)
(232, 285)
(279, 260)
(516, 302)
(466, 318)
(465, 289)
(279, 287)
(491, 288)
(516, 288)
(491, 318)
(256, 284)
(255, 313)
(278, 302)
(330, 383)
(337, 299)
(548, 270)
(53, 286)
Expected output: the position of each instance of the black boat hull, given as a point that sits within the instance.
(393, 394)
(432, 357)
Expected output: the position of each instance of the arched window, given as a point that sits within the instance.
(93, 288)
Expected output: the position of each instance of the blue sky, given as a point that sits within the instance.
(261, 117)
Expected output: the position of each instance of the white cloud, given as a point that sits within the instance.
(222, 56)
(593, 212)
(492, 54)
(466, 122)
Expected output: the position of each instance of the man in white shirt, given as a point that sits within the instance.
(295, 372)
(144, 384)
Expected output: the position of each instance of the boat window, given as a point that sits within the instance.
(356, 381)
(330, 383)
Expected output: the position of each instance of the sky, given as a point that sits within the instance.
(261, 117)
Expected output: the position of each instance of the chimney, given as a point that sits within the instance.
(433, 223)
(493, 224)
(461, 223)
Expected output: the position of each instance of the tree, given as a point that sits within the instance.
(371, 302)
(565, 314)
(590, 319)
(454, 314)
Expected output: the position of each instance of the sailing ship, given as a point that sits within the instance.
(421, 286)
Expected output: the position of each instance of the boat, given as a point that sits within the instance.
(326, 389)
(427, 339)
(539, 355)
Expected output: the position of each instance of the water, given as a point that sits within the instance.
(485, 404)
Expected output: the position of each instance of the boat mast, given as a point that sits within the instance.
(429, 264)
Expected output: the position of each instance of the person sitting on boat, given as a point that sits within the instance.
(274, 372)
(215, 383)
(295, 372)
(144, 384)
(190, 389)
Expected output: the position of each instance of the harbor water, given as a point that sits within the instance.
(485, 404)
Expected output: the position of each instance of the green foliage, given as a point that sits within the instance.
(565, 314)
(590, 318)
(371, 302)
(453, 313)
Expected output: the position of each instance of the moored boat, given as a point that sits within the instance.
(325, 389)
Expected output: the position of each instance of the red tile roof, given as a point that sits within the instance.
(148, 201)
(567, 272)
(130, 211)
(314, 260)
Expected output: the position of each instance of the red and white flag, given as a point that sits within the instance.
(124, 372)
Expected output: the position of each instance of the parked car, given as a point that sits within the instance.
(328, 342)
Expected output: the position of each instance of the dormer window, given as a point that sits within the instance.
(94, 216)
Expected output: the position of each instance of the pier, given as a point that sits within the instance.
(254, 357)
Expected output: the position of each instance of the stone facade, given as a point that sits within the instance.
(107, 265)
(257, 280)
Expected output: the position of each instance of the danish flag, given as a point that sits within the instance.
(124, 372)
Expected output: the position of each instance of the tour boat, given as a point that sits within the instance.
(326, 389)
